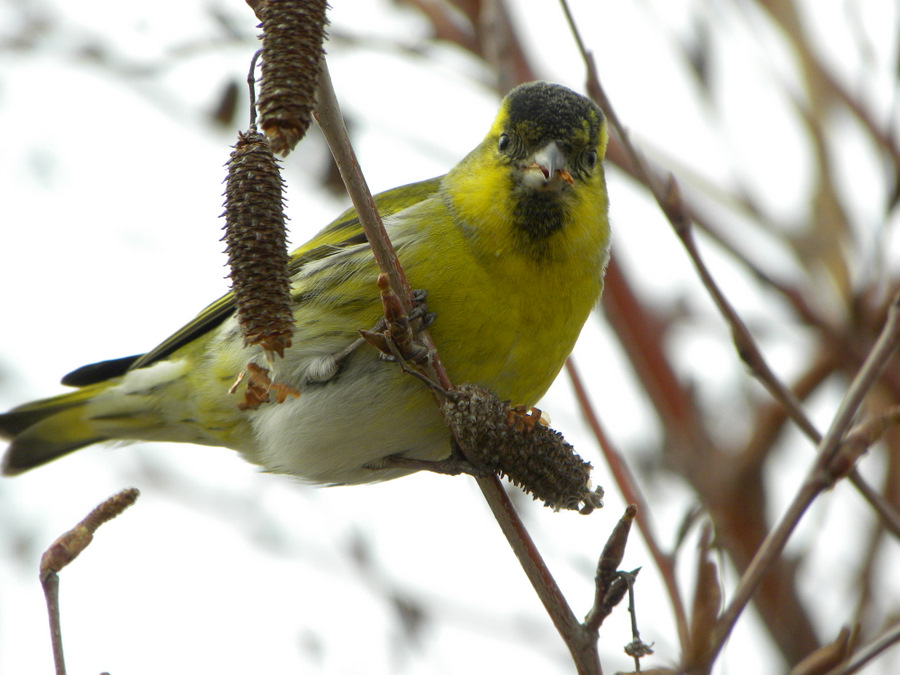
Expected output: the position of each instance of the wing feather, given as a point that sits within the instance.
(345, 231)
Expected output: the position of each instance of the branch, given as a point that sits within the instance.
(581, 646)
(632, 494)
(888, 639)
(64, 550)
(667, 195)
(831, 464)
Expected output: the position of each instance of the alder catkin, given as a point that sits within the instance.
(257, 244)
(517, 445)
(293, 32)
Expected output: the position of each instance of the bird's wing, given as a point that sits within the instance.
(342, 232)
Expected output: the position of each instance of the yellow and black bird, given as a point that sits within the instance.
(510, 245)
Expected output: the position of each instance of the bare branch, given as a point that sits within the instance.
(631, 492)
(64, 550)
(865, 655)
(582, 647)
(830, 465)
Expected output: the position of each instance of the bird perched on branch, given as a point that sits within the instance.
(510, 246)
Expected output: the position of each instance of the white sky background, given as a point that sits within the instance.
(110, 191)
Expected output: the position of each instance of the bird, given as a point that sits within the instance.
(510, 247)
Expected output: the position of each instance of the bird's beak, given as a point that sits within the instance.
(547, 169)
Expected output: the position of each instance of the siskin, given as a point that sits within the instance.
(510, 245)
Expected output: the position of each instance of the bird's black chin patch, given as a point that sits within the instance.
(538, 214)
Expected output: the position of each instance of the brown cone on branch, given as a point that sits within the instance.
(293, 32)
(515, 443)
(257, 244)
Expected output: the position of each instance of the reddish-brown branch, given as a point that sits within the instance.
(632, 494)
(736, 501)
(581, 644)
(829, 466)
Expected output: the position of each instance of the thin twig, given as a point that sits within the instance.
(668, 196)
(865, 379)
(328, 115)
(632, 494)
(582, 644)
(751, 355)
(50, 584)
(64, 550)
(637, 648)
(67, 547)
(820, 477)
(884, 641)
(251, 87)
(582, 647)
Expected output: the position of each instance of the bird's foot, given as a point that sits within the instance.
(396, 333)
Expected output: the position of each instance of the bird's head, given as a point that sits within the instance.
(548, 137)
(535, 184)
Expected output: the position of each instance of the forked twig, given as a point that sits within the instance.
(632, 494)
(665, 190)
(829, 466)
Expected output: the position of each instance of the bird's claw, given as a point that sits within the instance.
(396, 333)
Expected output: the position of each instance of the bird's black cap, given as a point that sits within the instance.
(541, 111)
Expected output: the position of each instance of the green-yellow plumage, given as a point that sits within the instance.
(510, 246)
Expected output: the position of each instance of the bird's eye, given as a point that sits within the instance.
(591, 159)
(503, 143)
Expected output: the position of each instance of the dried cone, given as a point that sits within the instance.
(517, 445)
(293, 31)
(257, 244)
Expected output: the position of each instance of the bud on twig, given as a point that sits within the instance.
(67, 547)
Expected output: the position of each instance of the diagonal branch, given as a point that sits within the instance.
(581, 645)
(632, 494)
(829, 466)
